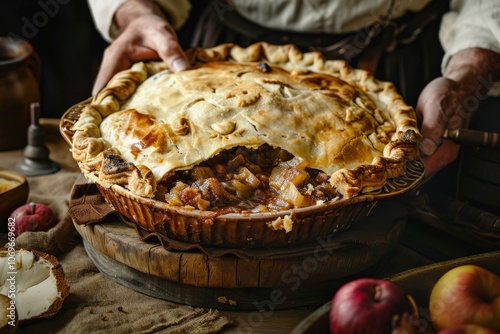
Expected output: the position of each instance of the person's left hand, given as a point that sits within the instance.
(440, 107)
(448, 102)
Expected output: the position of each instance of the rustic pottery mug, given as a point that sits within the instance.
(19, 76)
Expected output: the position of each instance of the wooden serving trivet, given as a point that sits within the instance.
(226, 282)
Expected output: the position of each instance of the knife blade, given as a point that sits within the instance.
(473, 137)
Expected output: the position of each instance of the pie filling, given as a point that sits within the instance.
(248, 180)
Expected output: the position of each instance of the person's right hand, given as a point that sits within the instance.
(147, 36)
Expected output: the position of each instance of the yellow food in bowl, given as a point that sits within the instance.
(6, 184)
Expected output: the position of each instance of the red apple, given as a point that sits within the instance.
(466, 294)
(33, 217)
(369, 306)
(469, 329)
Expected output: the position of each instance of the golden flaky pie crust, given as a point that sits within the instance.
(342, 120)
(148, 122)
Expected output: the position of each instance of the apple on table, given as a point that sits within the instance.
(466, 294)
(370, 306)
(33, 217)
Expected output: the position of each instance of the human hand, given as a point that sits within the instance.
(146, 34)
(448, 102)
(439, 107)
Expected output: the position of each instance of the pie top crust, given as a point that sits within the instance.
(148, 123)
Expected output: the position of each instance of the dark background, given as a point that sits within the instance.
(67, 42)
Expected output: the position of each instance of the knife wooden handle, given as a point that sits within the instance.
(474, 137)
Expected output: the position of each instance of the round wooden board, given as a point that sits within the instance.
(226, 282)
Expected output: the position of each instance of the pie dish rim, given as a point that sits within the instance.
(392, 187)
(358, 207)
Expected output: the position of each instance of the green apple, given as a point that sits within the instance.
(467, 294)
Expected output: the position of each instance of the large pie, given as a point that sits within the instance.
(257, 129)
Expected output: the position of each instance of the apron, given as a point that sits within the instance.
(389, 49)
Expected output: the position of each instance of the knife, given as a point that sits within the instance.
(473, 137)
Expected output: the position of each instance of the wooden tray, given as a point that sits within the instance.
(418, 282)
(227, 282)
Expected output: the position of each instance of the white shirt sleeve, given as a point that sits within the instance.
(102, 14)
(470, 24)
(103, 11)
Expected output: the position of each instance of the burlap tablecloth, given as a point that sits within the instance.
(96, 304)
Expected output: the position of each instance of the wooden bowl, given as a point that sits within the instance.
(12, 198)
(248, 230)
(417, 282)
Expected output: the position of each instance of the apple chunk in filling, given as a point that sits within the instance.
(248, 180)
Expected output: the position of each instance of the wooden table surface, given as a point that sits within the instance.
(403, 257)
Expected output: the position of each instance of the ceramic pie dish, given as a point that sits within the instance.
(252, 147)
